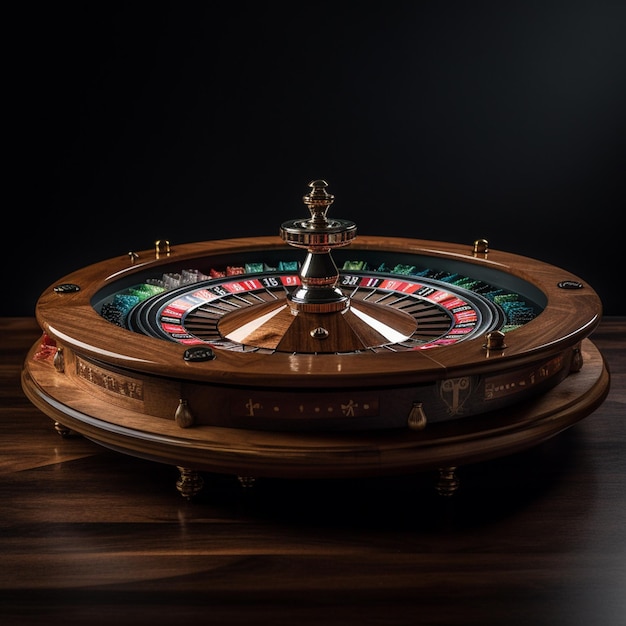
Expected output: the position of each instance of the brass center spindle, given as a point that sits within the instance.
(318, 292)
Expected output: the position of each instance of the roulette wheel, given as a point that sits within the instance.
(317, 353)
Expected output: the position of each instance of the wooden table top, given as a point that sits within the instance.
(91, 536)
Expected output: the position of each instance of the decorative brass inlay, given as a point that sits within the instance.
(454, 392)
(121, 385)
(294, 407)
(522, 380)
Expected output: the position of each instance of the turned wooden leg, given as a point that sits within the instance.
(190, 482)
(246, 481)
(448, 481)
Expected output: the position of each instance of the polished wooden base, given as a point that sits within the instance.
(92, 536)
(250, 454)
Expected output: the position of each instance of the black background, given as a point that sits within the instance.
(449, 121)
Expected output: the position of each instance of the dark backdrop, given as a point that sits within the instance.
(434, 120)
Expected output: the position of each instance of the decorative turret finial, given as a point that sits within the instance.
(318, 202)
